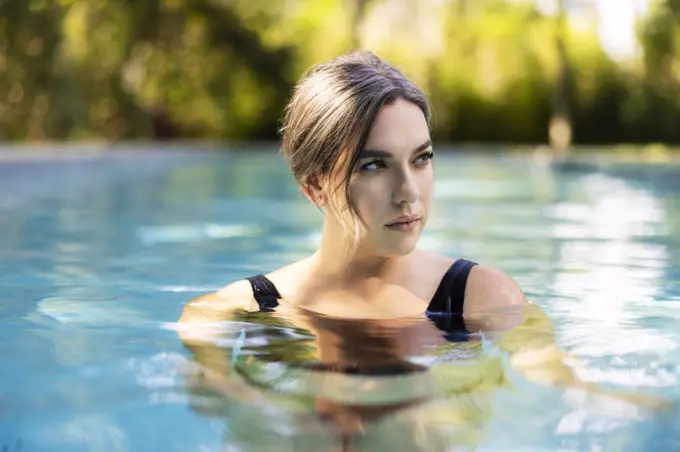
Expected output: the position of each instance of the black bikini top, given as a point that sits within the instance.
(445, 308)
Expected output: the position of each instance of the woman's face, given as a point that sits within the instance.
(391, 186)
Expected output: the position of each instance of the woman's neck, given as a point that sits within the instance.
(337, 259)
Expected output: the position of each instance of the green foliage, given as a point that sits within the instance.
(163, 69)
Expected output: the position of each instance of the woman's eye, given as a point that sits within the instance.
(425, 158)
(372, 166)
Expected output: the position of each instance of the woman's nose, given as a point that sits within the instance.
(406, 189)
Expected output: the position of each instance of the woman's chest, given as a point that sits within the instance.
(386, 302)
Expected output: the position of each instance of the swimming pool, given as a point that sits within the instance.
(98, 256)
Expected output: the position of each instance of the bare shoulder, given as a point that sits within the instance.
(490, 289)
(238, 295)
(218, 305)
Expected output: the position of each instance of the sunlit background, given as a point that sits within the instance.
(511, 71)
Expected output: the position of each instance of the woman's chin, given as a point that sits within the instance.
(402, 247)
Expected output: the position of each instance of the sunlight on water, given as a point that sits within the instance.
(196, 232)
(87, 310)
(618, 285)
(94, 274)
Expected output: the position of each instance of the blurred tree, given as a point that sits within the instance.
(560, 129)
(29, 35)
(358, 17)
(496, 70)
(655, 112)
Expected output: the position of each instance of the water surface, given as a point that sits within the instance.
(98, 257)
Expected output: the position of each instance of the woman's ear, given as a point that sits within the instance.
(312, 189)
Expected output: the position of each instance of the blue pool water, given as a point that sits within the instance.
(98, 256)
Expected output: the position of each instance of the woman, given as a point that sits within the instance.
(356, 135)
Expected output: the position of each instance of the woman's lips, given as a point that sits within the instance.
(404, 226)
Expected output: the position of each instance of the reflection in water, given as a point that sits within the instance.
(352, 383)
(308, 380)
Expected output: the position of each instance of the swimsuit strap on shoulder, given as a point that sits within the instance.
(265, 292)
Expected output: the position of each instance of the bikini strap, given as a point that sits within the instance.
(446, 307)
(450, 295)
(265, 292)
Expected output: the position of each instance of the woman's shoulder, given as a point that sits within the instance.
(214, 306)
(487, 287)
(236, 296)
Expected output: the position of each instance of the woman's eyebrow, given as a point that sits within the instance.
(368, 153)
